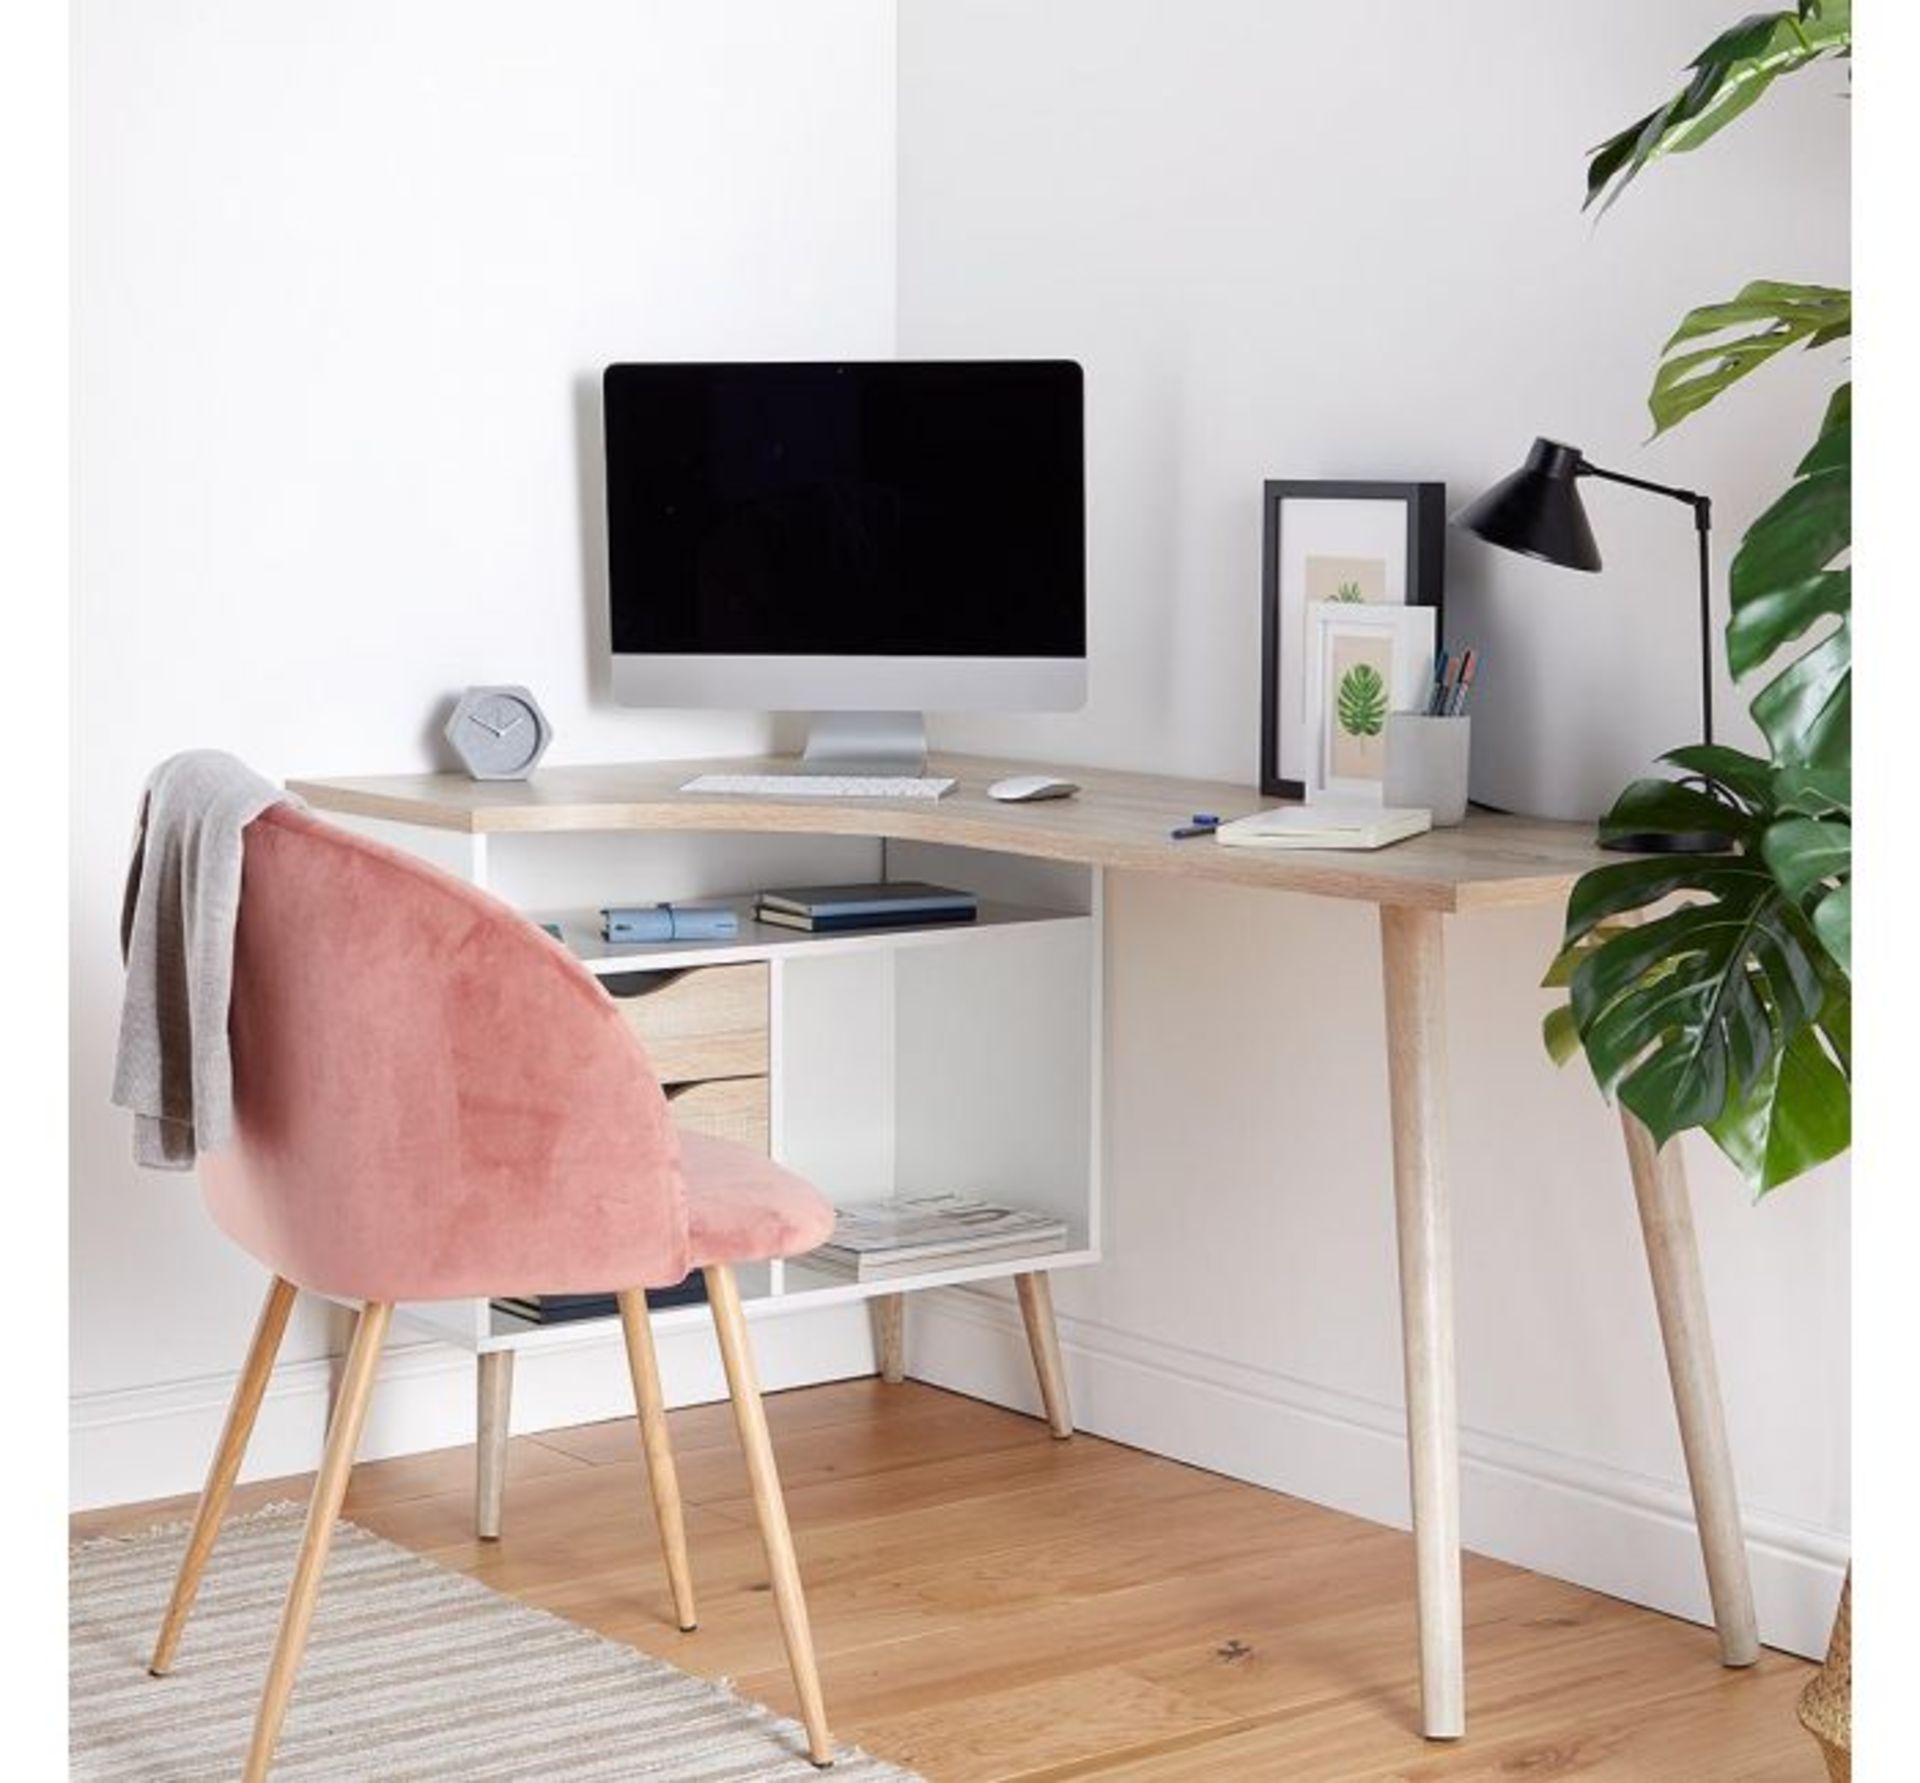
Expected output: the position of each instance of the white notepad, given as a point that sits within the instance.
(1325, 826)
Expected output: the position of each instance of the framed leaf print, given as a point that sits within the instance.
(1353, 544)
(1364, 661)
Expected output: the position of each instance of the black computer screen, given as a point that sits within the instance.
(878, 509)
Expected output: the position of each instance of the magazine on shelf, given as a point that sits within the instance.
(884, 1239)
(882, 1268)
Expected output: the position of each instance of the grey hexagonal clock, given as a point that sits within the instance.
(500, 733)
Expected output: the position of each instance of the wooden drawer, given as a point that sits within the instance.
(708, 1021)
(725, 1108)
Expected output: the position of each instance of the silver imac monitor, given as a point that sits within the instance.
(862, 541)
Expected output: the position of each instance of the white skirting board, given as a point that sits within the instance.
(1568, 1518)
(1598, 1527)
(154, 1442)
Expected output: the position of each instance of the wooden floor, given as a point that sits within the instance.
(990, 1603)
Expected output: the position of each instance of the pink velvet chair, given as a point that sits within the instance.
(434, 1100)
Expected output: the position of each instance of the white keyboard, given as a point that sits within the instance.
(823, 786)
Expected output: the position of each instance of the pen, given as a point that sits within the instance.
(1203, 823)
(1463, 686)
(1442, 669)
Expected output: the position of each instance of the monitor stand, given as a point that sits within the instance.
(870, 743)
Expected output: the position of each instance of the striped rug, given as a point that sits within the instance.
(412, 1671)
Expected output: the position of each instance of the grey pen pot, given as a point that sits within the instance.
(1427, 762)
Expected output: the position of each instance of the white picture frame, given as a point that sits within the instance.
(1363, 662)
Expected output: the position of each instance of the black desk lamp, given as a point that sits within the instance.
(1537, 511)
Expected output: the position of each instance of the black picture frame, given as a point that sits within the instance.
(1425, 582)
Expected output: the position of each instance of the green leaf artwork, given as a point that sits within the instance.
(1349, 592)
(1362, 702)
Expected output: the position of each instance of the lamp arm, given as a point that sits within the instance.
(1702, 525)
(1702, 507)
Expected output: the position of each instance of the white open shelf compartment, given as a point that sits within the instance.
(911, 1060)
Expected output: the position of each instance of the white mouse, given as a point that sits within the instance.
(1021, 789)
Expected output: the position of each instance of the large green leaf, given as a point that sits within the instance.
(1634, 884)
(1833, 448)
(1814, 792)
(1727, 77)
(1775, 316)
(1782, 581)
(1807, 709)
(1833, 923)
(1749, 779)
(1561, 1033)
(1683, 1015)
(1795, 539)
(1685, 1018)
(1805, 852)
(1798, 1115)
(1779, 615)
(1669, 807)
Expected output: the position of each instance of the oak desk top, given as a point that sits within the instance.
(1118, 820)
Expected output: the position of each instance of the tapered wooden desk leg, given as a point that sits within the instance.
(663, 1479)
(247, 1394)
(770, 1506)
(1679, 1296)
(889, 1314)
(1043, 1339)
(329, 1489)
(494, 1388)
(1414, 958)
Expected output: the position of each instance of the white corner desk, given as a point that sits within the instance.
(1120, 822)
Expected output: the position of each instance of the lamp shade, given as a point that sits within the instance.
(1537, 510)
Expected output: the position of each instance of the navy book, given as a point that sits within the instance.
(825, 922)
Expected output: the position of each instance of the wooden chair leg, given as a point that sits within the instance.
(1680, 1298)
(751, 1419)
(889, 1314)
(329, 1489)
(643, 1363)
(1043, 1338)
(247, 1394)
(493, 1383)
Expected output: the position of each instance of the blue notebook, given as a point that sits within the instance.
(904, 900)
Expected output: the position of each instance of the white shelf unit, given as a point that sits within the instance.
(902, 1061)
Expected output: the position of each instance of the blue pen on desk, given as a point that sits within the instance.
(1202, 823)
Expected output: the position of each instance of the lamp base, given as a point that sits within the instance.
(1669, 842)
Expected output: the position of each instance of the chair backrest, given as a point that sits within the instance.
(432, 1098)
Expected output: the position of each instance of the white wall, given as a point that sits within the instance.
(344, 279)
(1292, 240)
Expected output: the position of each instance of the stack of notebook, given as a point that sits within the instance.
(891, 1239)
(905, 903)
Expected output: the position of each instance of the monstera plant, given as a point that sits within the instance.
(1713, 992)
